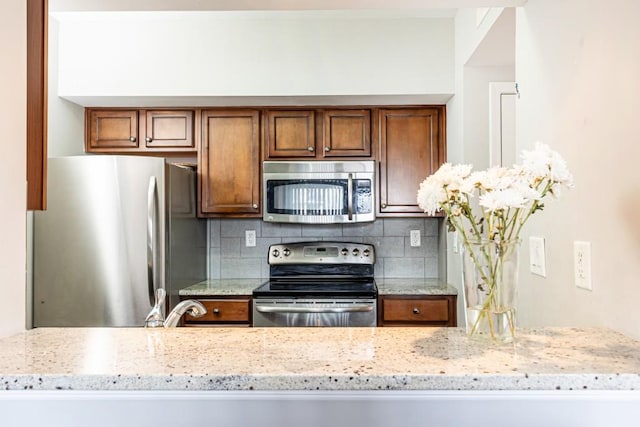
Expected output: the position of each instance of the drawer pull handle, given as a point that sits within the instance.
(132, 139)
(416, 310)
(309, 148)
(216, 311)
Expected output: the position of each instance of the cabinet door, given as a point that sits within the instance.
(347, 133)
(229, 177)
(290, 133)
(169, 129)
(412, 146)
(112, 130)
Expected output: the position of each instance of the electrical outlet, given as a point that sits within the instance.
(537, 261)
(582, 264)
(415, 238)
(250, 238)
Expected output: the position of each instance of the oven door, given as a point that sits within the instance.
(287, 312)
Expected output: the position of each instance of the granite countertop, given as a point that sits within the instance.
(386, 286)
(393, 286)
(222, 287)
(316, 359)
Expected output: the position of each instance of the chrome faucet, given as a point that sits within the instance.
(155, 318)
(191, 306)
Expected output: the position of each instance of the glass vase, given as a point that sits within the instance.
(490, 276)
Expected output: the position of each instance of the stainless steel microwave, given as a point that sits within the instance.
(319, 192)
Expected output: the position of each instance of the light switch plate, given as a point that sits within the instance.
(537, 263)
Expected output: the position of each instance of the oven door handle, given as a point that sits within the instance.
(357, 308)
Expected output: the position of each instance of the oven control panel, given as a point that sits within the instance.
(324, 252)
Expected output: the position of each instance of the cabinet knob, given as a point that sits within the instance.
(384, 205)
(148, 139)
(327, 149)
(416, 310)
(309, 148)
(216, 311)
(255, 206)
(132, 139)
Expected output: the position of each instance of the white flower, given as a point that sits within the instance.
(453, 177)
(559, 171)
(543, 162)
(502, 199)
(431, 195)
(524, 189)
(447, 183)
(495, 178)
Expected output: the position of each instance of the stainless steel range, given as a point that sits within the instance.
(318, 284)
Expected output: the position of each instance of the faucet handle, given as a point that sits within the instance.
(155, 318)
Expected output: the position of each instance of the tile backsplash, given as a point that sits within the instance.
(229, 258)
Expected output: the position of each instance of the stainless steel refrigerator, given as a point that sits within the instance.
(116, 228)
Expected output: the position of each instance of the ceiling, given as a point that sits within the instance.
(432, 8)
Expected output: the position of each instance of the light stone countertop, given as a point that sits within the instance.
(393, 286)
(316, 359)
(386, 286)
(222, 287)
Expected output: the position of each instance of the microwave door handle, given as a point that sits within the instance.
(350, 197)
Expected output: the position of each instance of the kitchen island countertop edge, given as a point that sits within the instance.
(316, 359)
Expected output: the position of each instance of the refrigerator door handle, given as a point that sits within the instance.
(152, 210)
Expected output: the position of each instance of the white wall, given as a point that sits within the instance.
(13, 47)
(577, 64)
(476, 111)
(66, 123)
(320, 53)
(469, 34)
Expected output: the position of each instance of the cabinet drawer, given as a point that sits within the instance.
(415, 310)
(223, 311)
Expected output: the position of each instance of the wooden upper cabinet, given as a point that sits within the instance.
(317, 133)
(229, 163)
(347, 133)
(412, 146)
(169, 129)
(290, 133)
(140, 131)
(112, 129)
